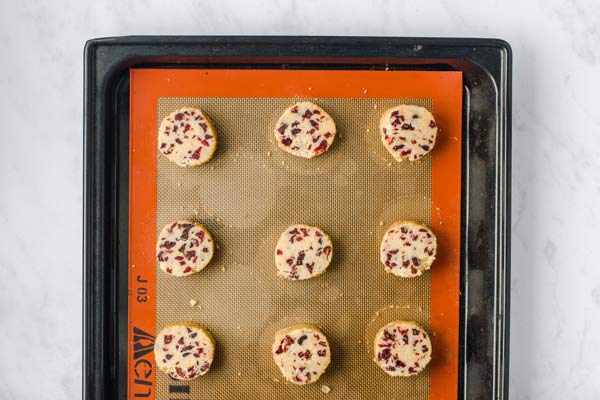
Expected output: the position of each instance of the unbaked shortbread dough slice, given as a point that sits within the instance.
(408, 249)
(408, 132)
(303, 252)
(402, 348)
(305, 130)
(187, 137)
(302, 353)
(184, 350)
(183, 248)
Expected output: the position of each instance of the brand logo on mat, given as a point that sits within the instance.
(143, 368)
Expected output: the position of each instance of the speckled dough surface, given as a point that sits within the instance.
(183, 248)
(305, 130)
(408, 132)
(302, 353)
(408, 249)
(187, 137)
(303, 252)
(402, 348)
(184, 350)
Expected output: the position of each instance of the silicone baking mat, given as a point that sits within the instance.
(251, 191)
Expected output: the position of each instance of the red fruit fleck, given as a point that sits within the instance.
(424, 349)
(395, 113)
(279, 252)
(387, 335)
(321, 148)
(286, 141)
(398, 147)
(301, 339)
(415, 261)
(178, 116)
(196, 154)
(432, 124)
(186, 128)
(168, 339)
(327, 250)
(390, 368)
(400, 364)
(407, 127)
(411, 370)
(403, 229)
(296, 131)
(384, 354)
(187, 270)
(204, 142)
(282, 128)
(168, 356)
(309, 267)
(307, 114)
(327, 135)
(288, 340)
(190, 254)
(322, 353)
(294, 109)
(317, 233)
(279, 350)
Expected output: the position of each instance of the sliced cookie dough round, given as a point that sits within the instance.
(303, 252)
(408, 132)
(187, 137)
(184, 350)
(302, 353)
(402, 348)
(184, 248)
(408, 249)
(305, 130)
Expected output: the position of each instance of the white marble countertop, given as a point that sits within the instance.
(555, 337)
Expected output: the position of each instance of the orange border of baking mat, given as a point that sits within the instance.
(445, 90)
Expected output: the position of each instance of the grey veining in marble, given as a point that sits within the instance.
(555, 338)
